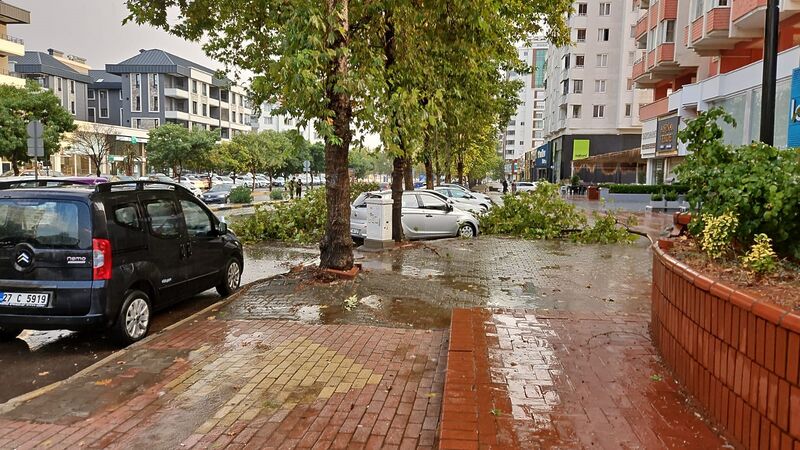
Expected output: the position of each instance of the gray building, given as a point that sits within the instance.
(105, 98)
(51, 71)
(158, 87)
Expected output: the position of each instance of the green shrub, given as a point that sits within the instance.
(241, 194)
(276, 195)
(761, 259)
(645, 188)
(543, 214)
(657, 197)
(671, 196)
(718, 234)
(301, 221)
(759, 183)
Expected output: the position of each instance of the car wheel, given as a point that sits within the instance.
(9, 333)
(133, 321)
(232, 277)
(466, 231)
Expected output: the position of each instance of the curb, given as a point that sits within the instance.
(12, 403)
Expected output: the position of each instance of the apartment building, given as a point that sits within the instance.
(711, 56)
(159, 87)
(525, 129)
(591, 119)
(270, 119)
(11, 46)
(66, 76)
(104, 98)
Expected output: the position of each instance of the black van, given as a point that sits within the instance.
(75, 256)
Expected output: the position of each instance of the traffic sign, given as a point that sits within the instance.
(35, 138)
(134, 140)
(306, 166)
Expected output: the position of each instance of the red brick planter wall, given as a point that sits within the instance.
(736, 355)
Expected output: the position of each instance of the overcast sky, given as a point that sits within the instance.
(93, 29)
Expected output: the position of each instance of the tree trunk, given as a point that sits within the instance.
(448, 162)
(397, 199)
(428, 172)
(460, 170)
(408, 174)
(15, 167)
(97, 163)
(336, 248)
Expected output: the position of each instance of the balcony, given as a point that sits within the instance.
(176, 92)
(748, 14)
(658, 65)
(176, 115)
(9, 45)
(653, 110)
(641, 28)
(667, 10)
(11, 78)
(711, 32)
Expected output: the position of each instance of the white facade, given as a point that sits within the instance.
(270, 120)
(525, 130)
(589, 86)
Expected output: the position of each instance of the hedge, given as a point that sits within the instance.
(645, 188)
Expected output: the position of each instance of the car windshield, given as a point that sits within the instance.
(45, 223)
(221, 188)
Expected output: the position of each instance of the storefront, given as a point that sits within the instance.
(543, 164)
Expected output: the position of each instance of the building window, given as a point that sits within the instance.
(241, 117)
(598, 111)
(580, 60)
(72, 107)
(629, 85)
(205, 89)
(153, 84)
(538, 114)
(103, 103)
(90, 94)
(583, 8)
(233, 98)
(577, 86)
(602, 60)
(538, 124)
(667, 32)
(510, 132)
(120, 116)
(603, 34)
(59, 88)
(600, 86)
(566, 61)
(565, 87)
(576, 111)
(194, 107)
(509, 142)
(92, 117)
(631, 56)
(605, 9)
(268, 120)
(537, 134)
(205, 110)
(136, 92)
(538, 105)
(144, 124)
(698, 9)
(628, 109)
(581, 35)
(71, 86)
(194, 86)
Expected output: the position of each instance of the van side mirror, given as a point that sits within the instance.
(449, 207)
(222, 228)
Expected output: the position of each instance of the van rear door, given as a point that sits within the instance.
(45, 256)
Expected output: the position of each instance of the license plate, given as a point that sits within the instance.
(355, 231)
(24, 299)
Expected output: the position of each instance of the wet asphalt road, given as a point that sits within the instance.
(38, 358)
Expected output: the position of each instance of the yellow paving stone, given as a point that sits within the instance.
(340, 372)
(324, 377)
(375, 378)
(327, 392)
(349, 377)
(207, 426)
(307, 381)
(250, 414)
(222, 412)
(343, 387)
(365, 373)
(359, 383)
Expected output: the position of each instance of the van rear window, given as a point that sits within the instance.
(45, 223)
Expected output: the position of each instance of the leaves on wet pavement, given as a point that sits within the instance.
(103, 382)
(656, 377)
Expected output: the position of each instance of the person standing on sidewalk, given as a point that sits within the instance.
(505, 186)
(299, 187)
(290, 188)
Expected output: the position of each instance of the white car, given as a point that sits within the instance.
(464, 200)
(192, 187)
(483, 197)
(526, 186)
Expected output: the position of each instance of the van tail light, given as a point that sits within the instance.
(101, 259)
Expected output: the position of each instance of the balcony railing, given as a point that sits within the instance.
(718, 19)
(665, 53)
(667, 10)
(10, 74)
(638, 68)
(641, 27)
(697, 29)
(653, 110)
(13, 39)
(743, 8)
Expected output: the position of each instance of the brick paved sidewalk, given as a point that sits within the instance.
(522, 379)
(248, 384)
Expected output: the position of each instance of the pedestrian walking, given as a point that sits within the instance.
(505, 186)
(299, 187)
(290, 187)
(514, 187)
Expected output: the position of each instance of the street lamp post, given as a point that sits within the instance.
(770, 72)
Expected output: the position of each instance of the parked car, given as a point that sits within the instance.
(197, 182)
(262, 181)
(278, 182)
(463, 199)
(525, 186)
(217, 179)
(218, 193)
(192, 188)
(107, 256)
(425, 215)
(478, 195)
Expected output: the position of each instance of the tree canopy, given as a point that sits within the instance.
(18, 106)
(175, 147)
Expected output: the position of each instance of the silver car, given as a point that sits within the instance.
(483, 197)
(425, 215)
